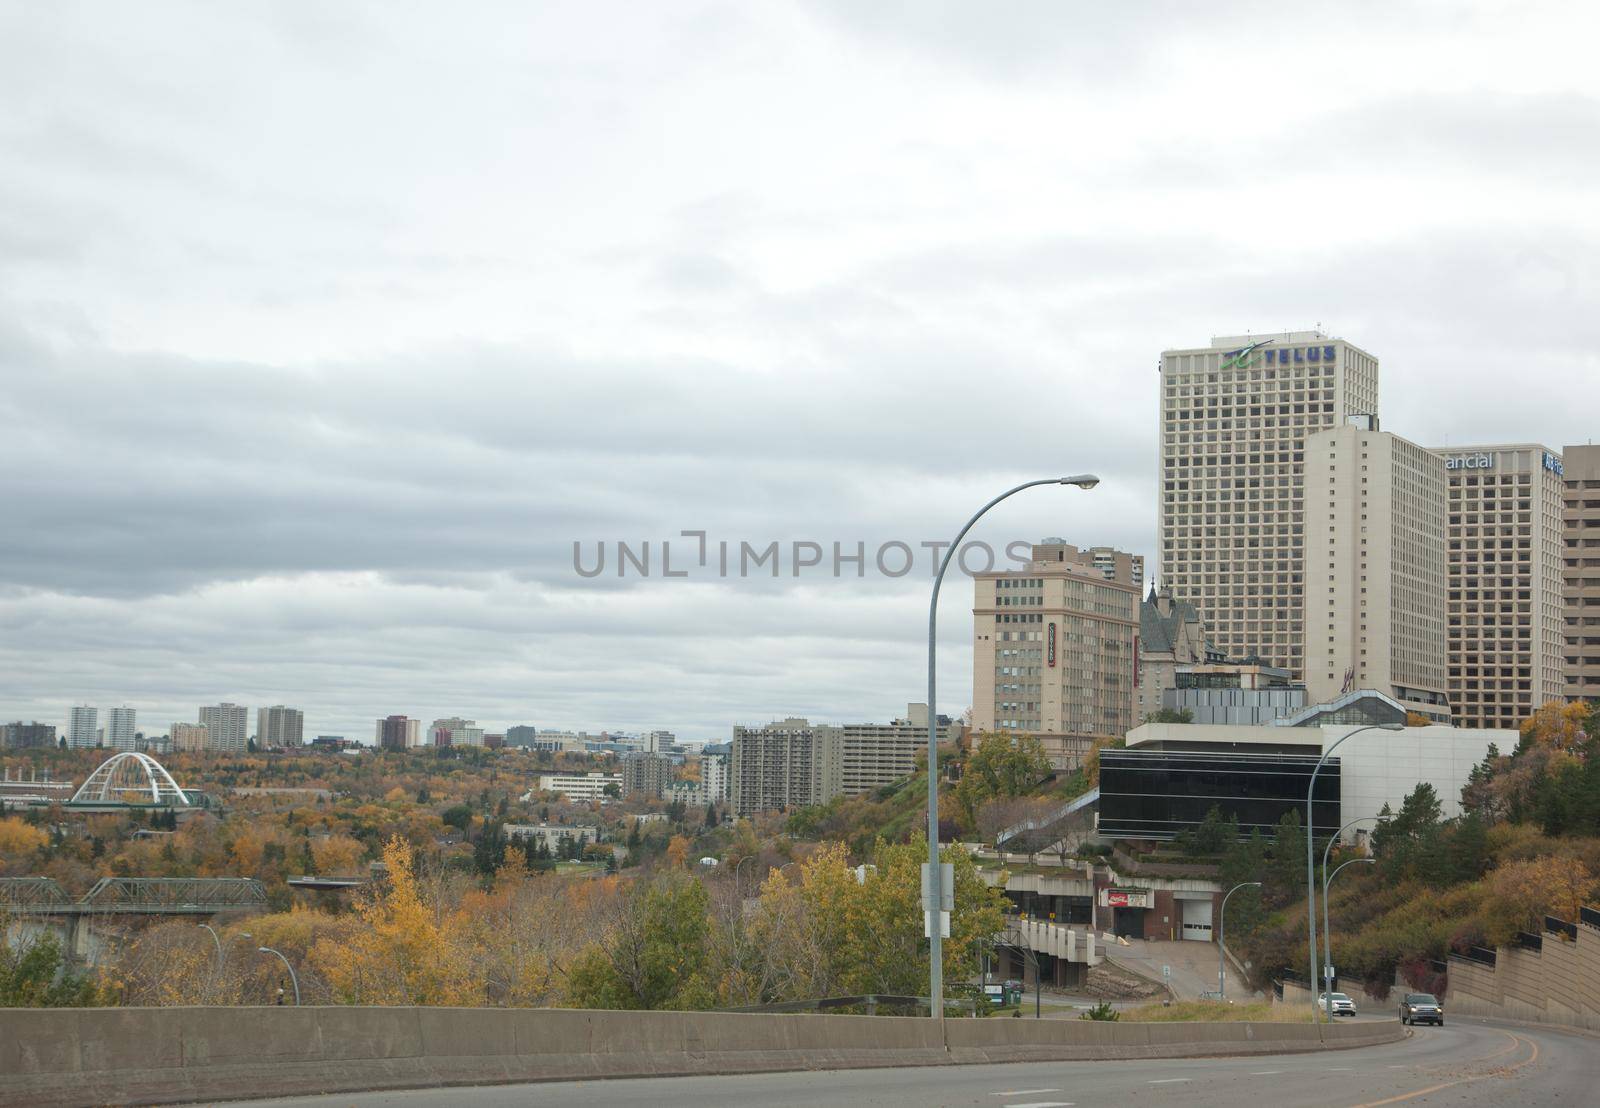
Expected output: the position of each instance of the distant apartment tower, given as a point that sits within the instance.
(1580, 538)
(793, 763)
(280, 727)
(1375, 569)
(120, 728)
(228, 725)
(27, 736)
(189, 737)
(645, 774)
(83, 727)
(1234, 419)
(1054, 650)
(523, 735)
(1507, 639)
(398, 733)
(714, 759)
(1109, 562)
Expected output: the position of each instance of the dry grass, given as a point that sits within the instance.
(1213, 1011)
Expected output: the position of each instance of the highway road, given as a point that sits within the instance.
(1466, 1063)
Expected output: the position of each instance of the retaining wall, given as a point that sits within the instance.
(1559, 983)
(88, 1056)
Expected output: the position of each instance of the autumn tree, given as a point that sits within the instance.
(1003, 765)
(657, 954)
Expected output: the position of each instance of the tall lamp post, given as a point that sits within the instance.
(1222, 934)
(295, 981)
(1327, 932)
(935, 898)
(1311, 875)
(1327, 935)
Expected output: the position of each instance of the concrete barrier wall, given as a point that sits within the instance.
(1559, 984)
(90, 1056)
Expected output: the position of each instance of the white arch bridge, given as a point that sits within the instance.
(131, 777)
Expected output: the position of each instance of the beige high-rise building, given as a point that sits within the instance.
(1505, 613)
(226, 726)
(1234, 419)
(1053, 650)
(187, 737)
(1580, 522)
(278, 727)
(1375, 567)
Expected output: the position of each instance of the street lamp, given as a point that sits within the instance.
(1327, 932)
(935, 898)
(1222, 934)
(1327, 935)
(295, 981)
(738, 889)
(1311, 876)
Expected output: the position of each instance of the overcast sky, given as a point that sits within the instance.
(326, 329)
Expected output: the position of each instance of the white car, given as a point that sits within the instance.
(1342, 1005)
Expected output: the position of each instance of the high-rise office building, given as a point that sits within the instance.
(1375, 569)
(1109, 562)
(227, 727)
(83, 727)
(120, 729)
(280, 727)
(1234, 419)
(1054, 650)
(646, 774)
(1580, 556)
(1507, 640)
(189, 737)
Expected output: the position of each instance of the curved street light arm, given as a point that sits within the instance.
(935, 940)
(1311, 874)
(295, 981)
(1222, 930)
(1327, 930)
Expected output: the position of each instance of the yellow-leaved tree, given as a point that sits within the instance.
(406, 952)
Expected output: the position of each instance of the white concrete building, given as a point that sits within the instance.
(120, 729)
(228, 725)
(1234, 419)
(1376, 767)
(577, 786)
(1375, 569)
(83, 727)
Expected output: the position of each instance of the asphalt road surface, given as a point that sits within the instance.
(1465, 1063)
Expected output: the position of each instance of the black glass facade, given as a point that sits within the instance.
(1157, 794)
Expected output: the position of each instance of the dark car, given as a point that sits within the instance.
(1421, 1008)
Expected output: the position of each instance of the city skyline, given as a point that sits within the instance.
(301, 412)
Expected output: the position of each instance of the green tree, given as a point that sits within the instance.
(1214, 834)
(34, 974)
(1170, 715)
(658, 954)
(1002, 765)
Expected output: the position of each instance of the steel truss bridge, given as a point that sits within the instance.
(134, 896)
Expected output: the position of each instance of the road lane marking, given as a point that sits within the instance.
(1170, 1080)
(1024, 1092)
(1264, 1073)
(1499, 1071)
(1044, 1104)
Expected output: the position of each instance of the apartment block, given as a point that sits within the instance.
(27, 736)
(121, 728)
(228, 726)
(1375, 568)
(793, 763)
(1234, 419)
(645, 774)
(1507, 637)
(398, 733)
(1054, 650)
(280, 727)
(189, 737)
(83, 727)
(1580, 568)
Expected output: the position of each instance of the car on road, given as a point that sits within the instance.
(1421, 1008)
(1342, 1004)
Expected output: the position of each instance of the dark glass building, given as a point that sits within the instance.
(1156, 794)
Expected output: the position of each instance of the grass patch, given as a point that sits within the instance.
(1214, 1011)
